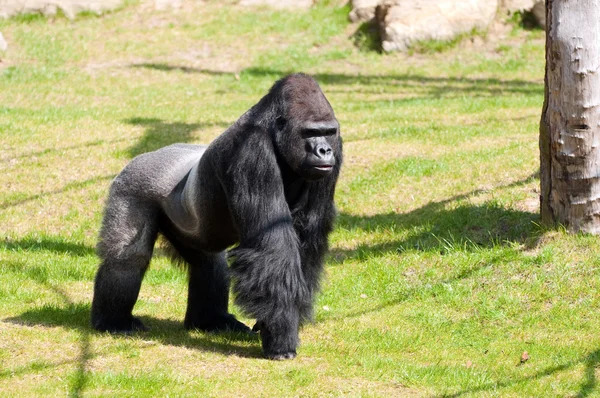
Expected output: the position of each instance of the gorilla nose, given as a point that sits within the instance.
(323, 151)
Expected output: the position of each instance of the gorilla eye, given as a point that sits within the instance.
(280, 123)
(307, 133)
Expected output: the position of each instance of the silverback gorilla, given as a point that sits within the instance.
(266, 184)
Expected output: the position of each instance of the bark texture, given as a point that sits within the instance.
(570, 124)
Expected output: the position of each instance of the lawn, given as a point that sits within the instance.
(440, 280)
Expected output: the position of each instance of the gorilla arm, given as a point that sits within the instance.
(267, 272)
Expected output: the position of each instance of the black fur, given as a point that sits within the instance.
(266, 184)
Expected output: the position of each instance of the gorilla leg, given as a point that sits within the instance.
(208, 294)
(126, 245)
(279, 335)
(270, 286)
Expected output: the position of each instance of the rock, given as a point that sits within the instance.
(363, 10)
(279, 3)
(167, 4)
(512, 6)
(8, 8)
(3, 43)
(403, 22)
(539, 12)
(536, 7)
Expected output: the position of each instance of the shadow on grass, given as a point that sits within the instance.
(46, 243)
(159, 134)
(440, 230)
(434, 87)
(76, 316)
(587, 387)
(167, 332)
(72, 314)
(176, 68)
(468, 227)
(68, 187)
(62, 150)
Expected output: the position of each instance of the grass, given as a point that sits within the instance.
(439, 275)
(436, 46)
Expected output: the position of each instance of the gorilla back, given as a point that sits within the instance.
(265, 185)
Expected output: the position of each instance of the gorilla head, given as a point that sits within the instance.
(305, 130)
(264, 186)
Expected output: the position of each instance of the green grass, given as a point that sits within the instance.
(436, 46)
(439, 275)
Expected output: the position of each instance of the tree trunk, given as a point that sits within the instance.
(570, 124)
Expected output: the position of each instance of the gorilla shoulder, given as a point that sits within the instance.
(158, 172)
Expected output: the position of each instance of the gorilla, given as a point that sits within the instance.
(264, 187)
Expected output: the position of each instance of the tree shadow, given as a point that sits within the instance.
(438, 229)
(68, 187)
(435, 85)
(71, 314)
(45, 243)
(58, 245)
(61, 150)
(431, 86)
(468, 227)
(591, 382)
(76, 316)
(177, 68)
(159, 134)
(587, 387)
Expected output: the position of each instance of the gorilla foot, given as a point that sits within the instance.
(119, 326)
(277, 346)
(218, 323)
(281, 356)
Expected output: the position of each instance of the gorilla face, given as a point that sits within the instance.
(308, 136)
(319, 156)
(309, 148)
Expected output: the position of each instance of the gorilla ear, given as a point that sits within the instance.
(280, 122)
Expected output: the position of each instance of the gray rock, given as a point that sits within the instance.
(3, 43)
(279, 3)
(403, 22)
(516, 5)
(363, 10)
(539, 12)
(167, 4)
(8, 8)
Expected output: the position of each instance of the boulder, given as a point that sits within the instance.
(516, 5)
(162, 5)
(539, 12)
(8, 8)
(363, 10)
(3, 43)
(279, 3)
(536, 7)
(403, 22)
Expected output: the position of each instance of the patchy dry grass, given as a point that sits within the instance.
(439, 277)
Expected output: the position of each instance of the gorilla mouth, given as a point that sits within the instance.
(317, 171)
